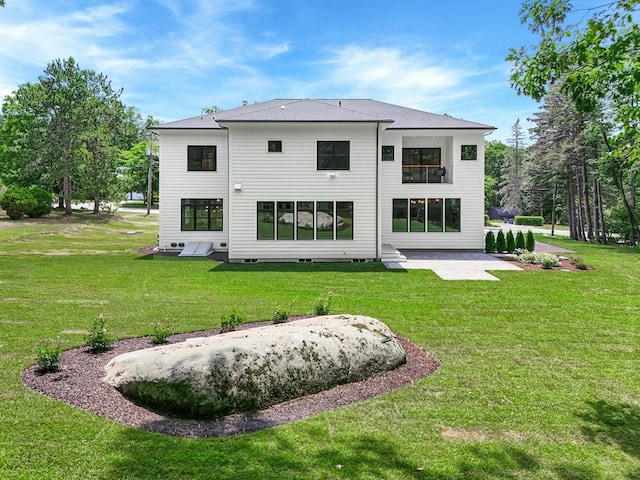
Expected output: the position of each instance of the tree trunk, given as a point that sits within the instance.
(96, 205)
(553, 206)
(66, 189)
(585, 199)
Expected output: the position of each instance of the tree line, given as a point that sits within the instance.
(582, 166)
(71, 134)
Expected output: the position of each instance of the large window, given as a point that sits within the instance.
(434, 214)
(266, 221)
(285, 221)
(430, 215)
(452, 215)
(400, 215)
(307, 221)
(201, 214)
(422, 165)
(201, 158)
(333, 155)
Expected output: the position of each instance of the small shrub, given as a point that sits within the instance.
(548, 260)
(487, 220)
(160, 334)
(489, 242)
(530, 242)
(18, 202)
(48, 357)
(280, 316)
(44, 200)
(579, 263)
(97, 341)
(520, 243)
(528, 220)
(322, 306)
(511, 242)
(230, 322)
(501, 243)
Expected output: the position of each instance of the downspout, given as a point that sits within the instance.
(377, 190)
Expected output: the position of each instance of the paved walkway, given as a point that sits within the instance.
(450, 265)
(454, 265)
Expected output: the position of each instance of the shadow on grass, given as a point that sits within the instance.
(371, 267)
(310, 452)
(613, 424)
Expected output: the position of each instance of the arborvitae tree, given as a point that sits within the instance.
(489, 242)
(530, 243)
(520, 243)
(511, 242)
(501, 243)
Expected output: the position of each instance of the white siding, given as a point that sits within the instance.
(177, 183)
(292, 175)
(464, 180)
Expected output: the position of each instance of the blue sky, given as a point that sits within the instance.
(175, 57)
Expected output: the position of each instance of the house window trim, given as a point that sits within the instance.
(332, 161)
(474, 155)
(388, 153)
(202, 159)
(277, 144)
(212, 203)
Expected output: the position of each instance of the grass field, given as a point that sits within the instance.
(540, 374)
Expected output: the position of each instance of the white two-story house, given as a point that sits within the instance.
(321, 180)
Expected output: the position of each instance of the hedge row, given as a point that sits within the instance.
(525, 220)
(508, 243)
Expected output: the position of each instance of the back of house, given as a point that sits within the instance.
(321, 180)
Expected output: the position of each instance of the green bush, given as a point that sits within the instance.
(520, 243)
(160, 334)
(547, 260)
(526, 220)
(501, 243)
(18, 202)
(48, 357)
(230, 322)
(489, 242)
(487, 220)
(322, 306)
(579, 263)
(280, 316)
(530, 242)
(97, 340)
(44, 200)
(511, 242)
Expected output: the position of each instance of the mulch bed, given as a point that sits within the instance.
(79, 383)
(564, 265)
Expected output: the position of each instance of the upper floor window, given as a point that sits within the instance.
(201, 158)
(274, 146)
(333, 155)
(388, 153)
(422, 165)
(469, 152)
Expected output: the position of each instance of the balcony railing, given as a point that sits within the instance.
(424, 174)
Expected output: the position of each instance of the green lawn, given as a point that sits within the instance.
(539, 377)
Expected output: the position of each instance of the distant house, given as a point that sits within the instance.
(321, 180)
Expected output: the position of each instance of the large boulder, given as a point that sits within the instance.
(252, 369)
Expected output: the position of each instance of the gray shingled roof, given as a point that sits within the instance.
(327, 110)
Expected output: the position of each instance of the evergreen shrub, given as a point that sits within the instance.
(501, 243)
(490, 242)
(528, 220)
(530, 242)
(511, 242)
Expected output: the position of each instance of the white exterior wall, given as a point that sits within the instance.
(464, 180)
(177, 183)
(292, 175)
